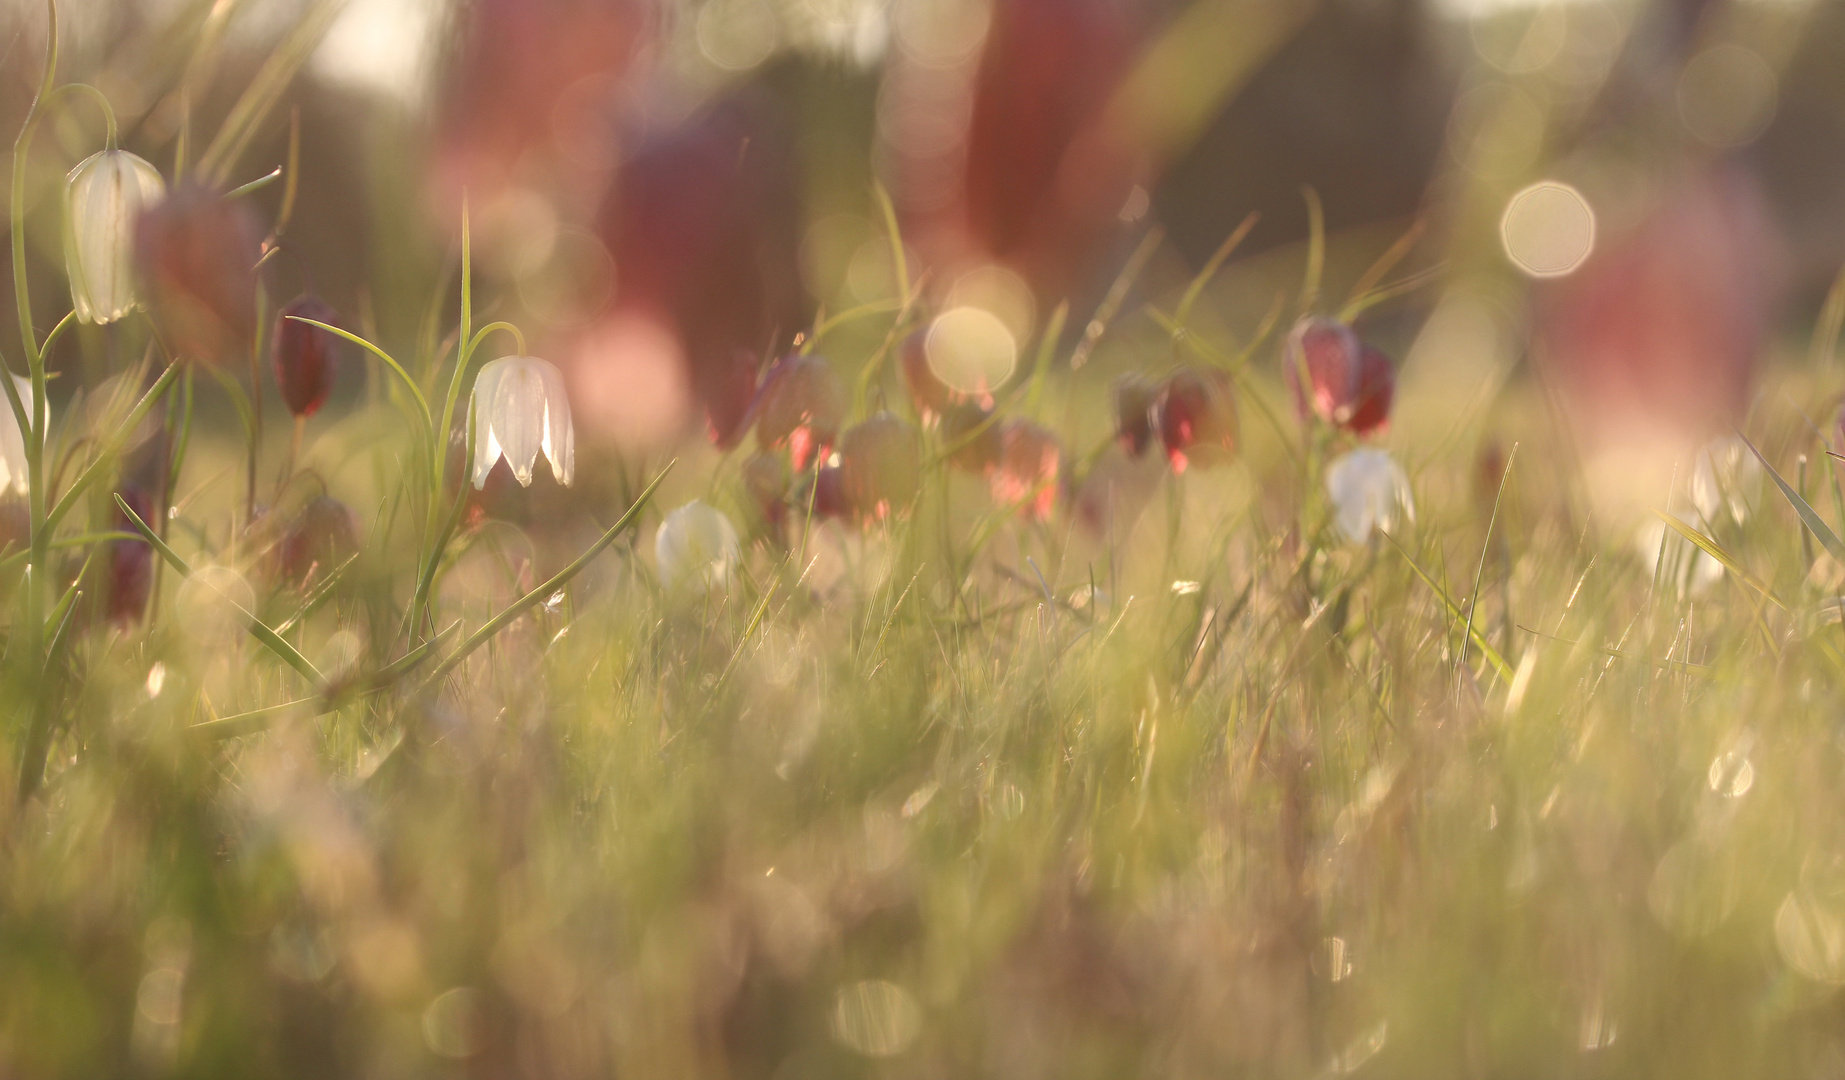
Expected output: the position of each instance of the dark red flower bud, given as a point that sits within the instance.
(1030, 468)
(801, 402)
(1134, 399)
(196, 251)
(971, 437)
(1196, 416)
(829, 493)
(1337, 377)
(303, 355)
(879, 466)
(766, 481)
(322, 536)
(1377, 386)
(131, 564)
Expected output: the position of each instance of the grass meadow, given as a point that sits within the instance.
(979, 720)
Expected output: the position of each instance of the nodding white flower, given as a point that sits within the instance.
(1726, 476)
(14, 473)
(1368, 492)
(520, 408)
(1677, 560)
(103, 197)
(696, 545)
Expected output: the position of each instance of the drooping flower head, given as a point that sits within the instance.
(1029, 472)
(1196, 417)
(880, 470)
(1134, 396)
(520, 409)
(14, 473)
(1336, 377)
(696, 545)
(801, 403)
(1369, 492)
(103, 197)
(196, 251)
(321, 537)
(304, 356)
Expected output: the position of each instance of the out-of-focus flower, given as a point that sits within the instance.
(801, 403)
(324, 535)
(1337, 377)
(971, 437)
(1196, 417)
(531, 94)
(103, 197)
(15, 473)
(828, 496)
(1676, 558)
(880, 469)
(766, 481)
(1727, 476)
(1655, 340)
(704, 222)
(303, 355)
(1134, 400)
(1369, 492)
(1030, 468)
(1046, 176)
(696, 545)
(520, 409)
(196, 252)
(131, 563)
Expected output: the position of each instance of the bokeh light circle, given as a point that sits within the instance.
(971, 350)
(1727, 94)
(1548, 229)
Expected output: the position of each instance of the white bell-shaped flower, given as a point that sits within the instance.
(14, 474)
(520, 409)
(104, 195)
(1369, 492)
(696, 546)
(1727, 476)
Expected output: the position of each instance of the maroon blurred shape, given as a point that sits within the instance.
(304, 356)
(1046, 176)
(703, 224)
(130, 568)
(524, 95)
(1664, 325)
(801, 403)
(196, 252)
(323, 535)
(880, 469)
(766, 481)
(1134, 399)
(1348, 384)
(1196, 417)
(1030, 468)
(971, 437)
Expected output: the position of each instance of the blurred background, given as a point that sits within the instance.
(664, 194)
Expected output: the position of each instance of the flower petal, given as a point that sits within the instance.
(486, 446)
(560, 441)
(518, 415)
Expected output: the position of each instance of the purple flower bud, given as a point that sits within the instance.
(1196, 416)
(304, 355)
(1134, 399)
(801, 403)
(197, 252)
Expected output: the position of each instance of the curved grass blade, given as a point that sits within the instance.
(1827, 538)
(557, 581)
(1714, 550)
(258, 630)
(416, 391)
(1454, 612)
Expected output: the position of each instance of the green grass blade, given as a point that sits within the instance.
(1454, 612)
(258, 630)
(1827, 538)
(1714, 550)
(416, 391)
